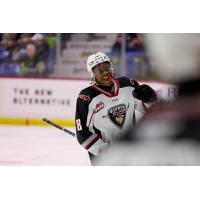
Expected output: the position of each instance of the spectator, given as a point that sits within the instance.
(7, 46)
(31, 65)
(135, 43)
(41, 49)
(117, 46)
(24, 39)
(41, 45)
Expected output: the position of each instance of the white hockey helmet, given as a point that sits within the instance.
(96, 59)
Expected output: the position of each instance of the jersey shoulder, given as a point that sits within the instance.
(124, 81)
(87, 94)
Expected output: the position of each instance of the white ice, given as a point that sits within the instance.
(38, 145)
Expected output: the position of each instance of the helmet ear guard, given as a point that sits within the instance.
(96, 59)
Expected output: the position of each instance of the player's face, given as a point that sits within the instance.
(103, 74)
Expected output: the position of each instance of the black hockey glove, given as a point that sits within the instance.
(145, 93)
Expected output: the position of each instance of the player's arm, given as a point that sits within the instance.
(144, 93)
(91, 141)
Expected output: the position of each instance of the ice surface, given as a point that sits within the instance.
(38, 145)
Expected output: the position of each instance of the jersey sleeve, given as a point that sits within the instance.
(91, 141)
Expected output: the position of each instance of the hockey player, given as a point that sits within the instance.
(106, 109)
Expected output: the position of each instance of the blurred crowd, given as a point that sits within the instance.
(34, 54)
(134, 43)
(27, 54)
(138, 61)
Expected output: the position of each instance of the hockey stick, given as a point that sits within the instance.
(59, 127)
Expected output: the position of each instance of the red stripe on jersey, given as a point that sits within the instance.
(116, 83)
(92, 142)
(101, 91)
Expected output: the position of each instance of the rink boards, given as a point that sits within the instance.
(25, 101)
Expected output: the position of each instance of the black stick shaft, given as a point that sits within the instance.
(59, 127)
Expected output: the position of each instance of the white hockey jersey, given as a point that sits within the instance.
(104, 113)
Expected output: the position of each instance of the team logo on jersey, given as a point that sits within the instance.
(117, 114)
(99, 106)
(84, 97)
